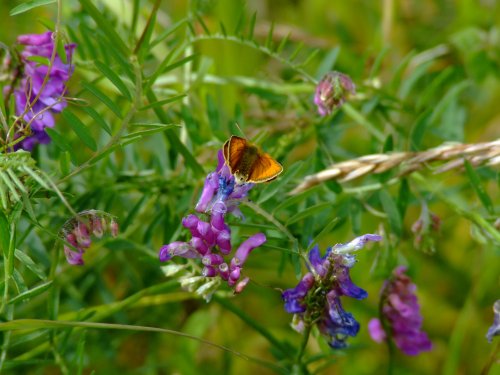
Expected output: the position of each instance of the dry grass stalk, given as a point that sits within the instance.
(487, 153)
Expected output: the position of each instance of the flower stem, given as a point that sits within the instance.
(303, 344)
(493, 358)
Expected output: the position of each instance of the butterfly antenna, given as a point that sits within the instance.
(241, 130)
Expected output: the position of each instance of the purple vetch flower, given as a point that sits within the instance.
(316, 298)
(332, 91)
(494, 330)
(39, 114)
(400, 313)
(211, 239)
(76, 233)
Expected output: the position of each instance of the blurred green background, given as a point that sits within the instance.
(405, 57)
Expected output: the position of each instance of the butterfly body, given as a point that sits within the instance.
(248, 163)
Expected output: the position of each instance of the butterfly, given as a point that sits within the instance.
(248, 163)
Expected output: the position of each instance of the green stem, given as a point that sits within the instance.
(495, 354)
(252, 323)
(362, 120)
(303, 345)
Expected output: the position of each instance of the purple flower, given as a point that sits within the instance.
(401, 315)
(494, 330)
(331, 92)
(39, 114)
(76, 233)
(211, 239)
(316, 298)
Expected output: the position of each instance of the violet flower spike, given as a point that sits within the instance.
(401, 313)
(329, 277)
(211, 239)
(40, 114)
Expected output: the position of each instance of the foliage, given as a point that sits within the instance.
(157, 89)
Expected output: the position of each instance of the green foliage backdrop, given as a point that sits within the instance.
(157, 89)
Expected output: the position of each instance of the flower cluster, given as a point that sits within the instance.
(211, 240)
(494, 329)
(400, 314)
(332, 91)
(316, 299)
(38, 114)
(76, 233)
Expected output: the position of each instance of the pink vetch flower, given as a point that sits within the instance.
(40, 114)
(316, 298)
(332, 91)
(77, 233)
(211, 239)
(401, 315)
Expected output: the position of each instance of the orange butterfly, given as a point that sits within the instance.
(248, 163)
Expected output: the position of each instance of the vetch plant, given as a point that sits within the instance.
(400, 319)
(316, 299)
(40, 93)
(211, 240)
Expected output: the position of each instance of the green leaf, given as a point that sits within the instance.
(327, 229)
(142, 47)
(97, 118)
(39, 59)
(30, 264)
(10, 186)
(269, 39)
(103, 98)
(475, 181)
(252, 26)
(295, 199)
(378, 62)
(156, 129)
(418, 130)
(168, 31)
(161, 103)
(213, 114)
(449, 97)
(114, 78)
(64, 162)
(296, 51)
(403, 197)
(80, 129)
(203, 25)
(308, 212)
(59, 140)
(163, 67)
(31, 292)
(391, 209)
(174, 140)
(327, 63)
(61, 51)
(24, 7)
(105, 26)
(4, 233)
(283, 42)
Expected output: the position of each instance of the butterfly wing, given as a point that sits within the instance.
(234, 150)
(265, 168)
